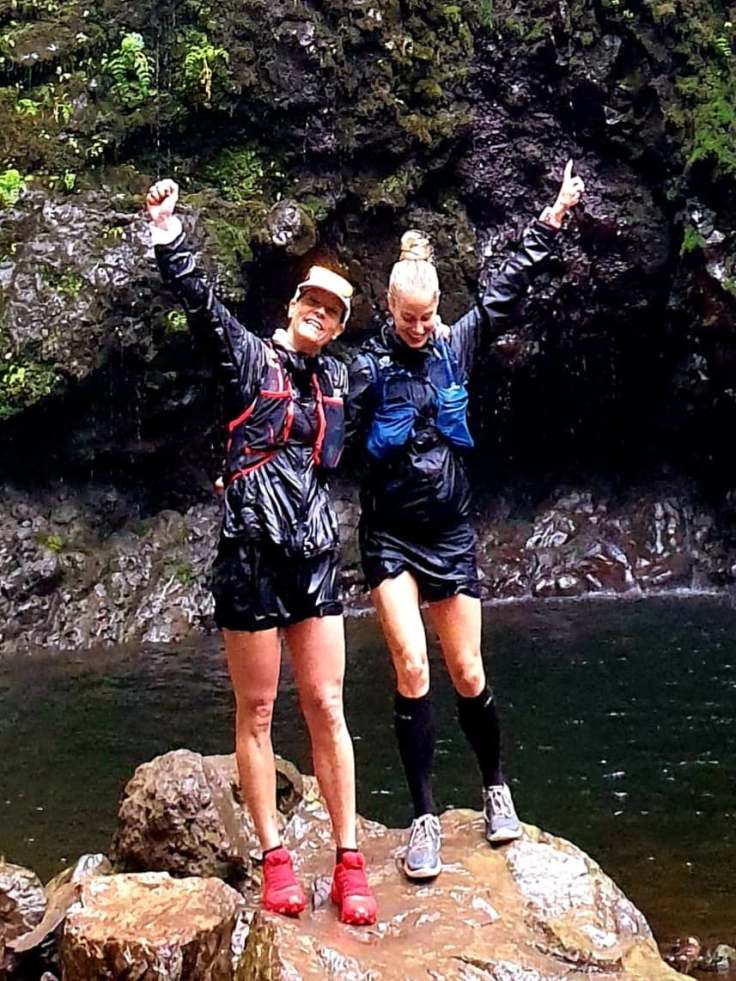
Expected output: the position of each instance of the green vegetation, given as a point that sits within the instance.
(175, 322)
(130, 71)
(203, 62)
(711, 127)
(12, 183)
(69, 283)
(22, 385)
(486, 13)
(53, 543)
(692, 240)
(244, 176)
(182, 572)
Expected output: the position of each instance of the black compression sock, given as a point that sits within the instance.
(339, 852)
(414, 723)
(479, 721)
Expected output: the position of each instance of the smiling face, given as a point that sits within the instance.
(315, 318)
(414, 316)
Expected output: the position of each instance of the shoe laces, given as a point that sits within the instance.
(278, 871)
(425, 830)
(351, 875)
(499, 798)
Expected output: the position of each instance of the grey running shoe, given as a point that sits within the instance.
(422, 859)
(502, 824)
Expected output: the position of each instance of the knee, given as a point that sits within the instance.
(412, 673)
(254, 716)
(469, 678)
(323, 710)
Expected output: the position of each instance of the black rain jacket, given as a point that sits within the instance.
(286, 500)
(425, 483)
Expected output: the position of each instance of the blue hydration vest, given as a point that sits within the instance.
(394, 419)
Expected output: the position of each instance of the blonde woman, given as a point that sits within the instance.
(408, 396)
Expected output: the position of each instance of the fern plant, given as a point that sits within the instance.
(202, 61)
(130, 71)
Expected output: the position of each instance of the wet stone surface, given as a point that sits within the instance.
(80, 569)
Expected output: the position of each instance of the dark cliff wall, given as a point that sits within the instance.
(302, 129)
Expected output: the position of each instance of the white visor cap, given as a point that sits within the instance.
(332, 282)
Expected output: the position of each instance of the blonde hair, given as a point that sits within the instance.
(414, 274)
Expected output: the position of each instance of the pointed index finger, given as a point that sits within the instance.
(568, 170)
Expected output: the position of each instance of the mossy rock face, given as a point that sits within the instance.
(639, 76)
(304, 132)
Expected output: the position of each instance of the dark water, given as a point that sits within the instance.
(619, 721)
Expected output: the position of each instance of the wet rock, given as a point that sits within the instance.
(533, 910)
(22, 905)
(180, 814)
(721, 958)
(684, 955)
(291, 228)
(94, 581)
(61, 894)
(150, 925)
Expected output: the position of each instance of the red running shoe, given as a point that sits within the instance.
(351, 892)
(281, 892)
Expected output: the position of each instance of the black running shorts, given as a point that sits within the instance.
(258, 586)
(442, 563)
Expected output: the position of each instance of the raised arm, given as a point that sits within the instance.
(497, 305)
(242, 356)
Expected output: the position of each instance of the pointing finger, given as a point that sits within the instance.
(568, 170)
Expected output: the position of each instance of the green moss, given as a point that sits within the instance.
(182, 572)
(393, 190)
(245, 174)
(24, 384)
(318, 208)
(12, 184)
(53, 543)
(692, 240)
(231, 241)
(175, 322)
(711, 126)
(69, 283)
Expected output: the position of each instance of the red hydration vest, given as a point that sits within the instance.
(263, 429)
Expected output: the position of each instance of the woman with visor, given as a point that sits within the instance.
(276, 568)
(408, 395)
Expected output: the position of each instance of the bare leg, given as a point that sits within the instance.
(458, 624)
(317, 647)
(254, 660)
(457, 621)
(397, 604)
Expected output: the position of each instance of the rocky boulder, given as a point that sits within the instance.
(22, 905)
(152, 926)
(181, 814)
(534, 910)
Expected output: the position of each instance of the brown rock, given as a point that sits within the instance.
(150, 926)
(22, 903)
(61, 892)
(180, 814)
(534, 910)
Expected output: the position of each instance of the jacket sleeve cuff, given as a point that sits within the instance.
(548, 232)
(540, 223)
(165, 236)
